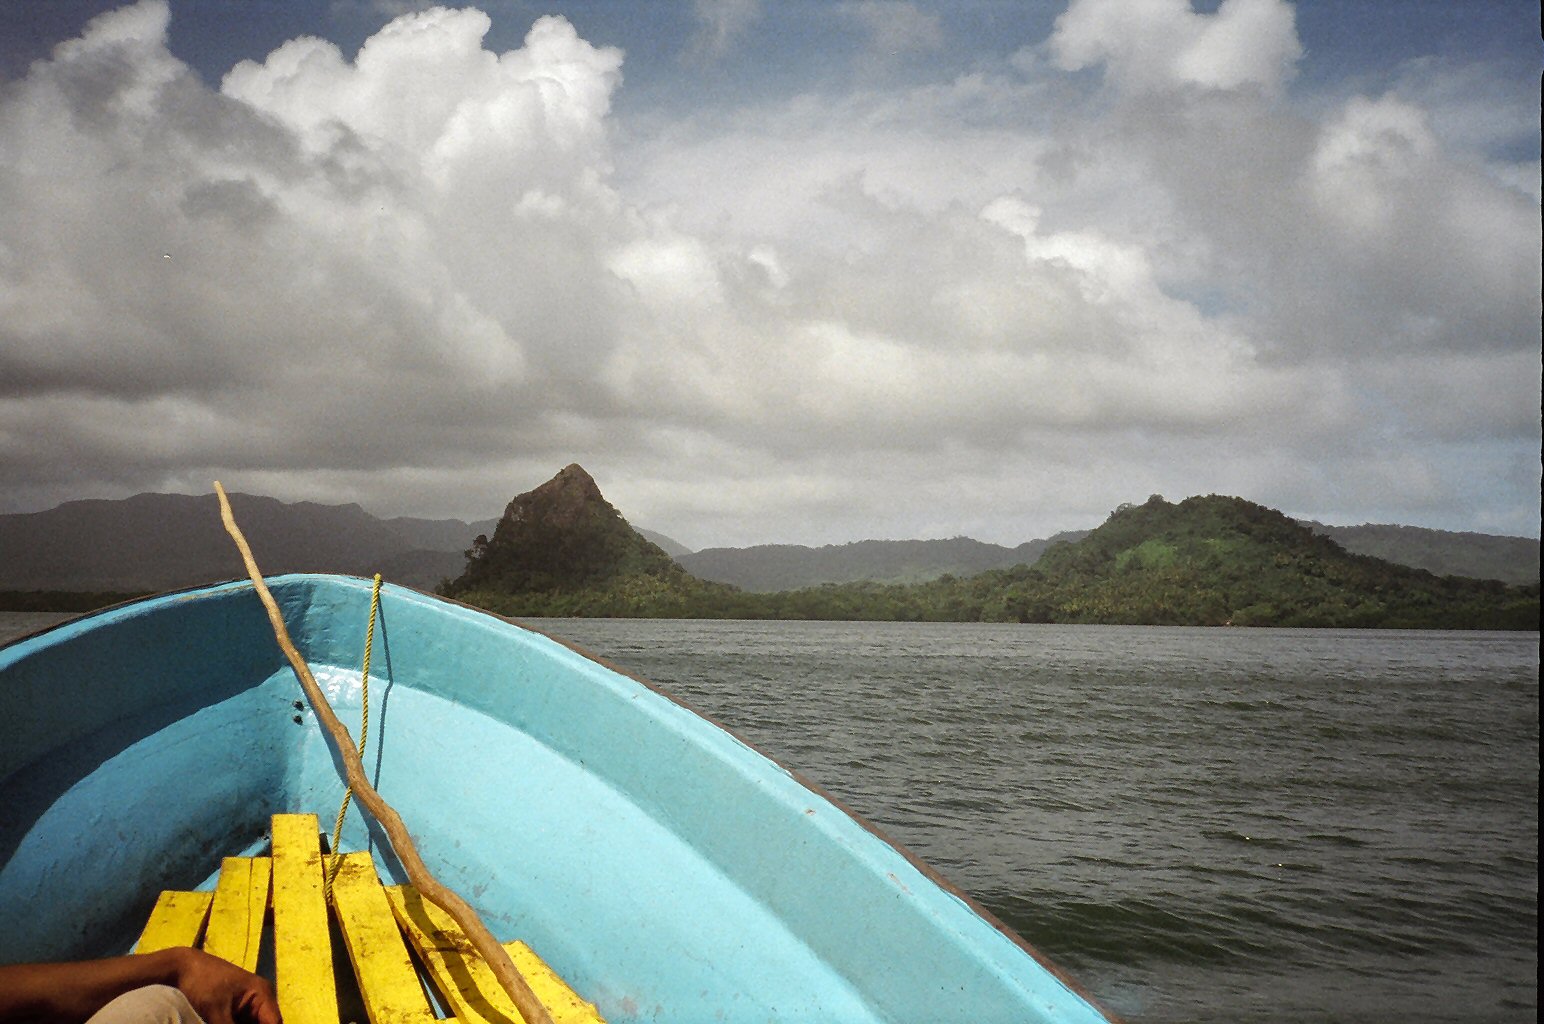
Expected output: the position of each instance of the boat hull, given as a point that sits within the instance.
(665, 868)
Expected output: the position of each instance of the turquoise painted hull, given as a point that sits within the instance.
(666, 869)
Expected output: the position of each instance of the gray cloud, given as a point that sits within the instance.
(720, 25)
(894, 27)
(1146, 45)
(426, 278)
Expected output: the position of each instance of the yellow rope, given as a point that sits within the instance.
(364, 735)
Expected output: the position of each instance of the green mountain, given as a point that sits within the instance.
(154, 542)
(775, 567)
(1226, 561)
(563, 549)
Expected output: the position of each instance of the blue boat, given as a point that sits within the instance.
(667, 870)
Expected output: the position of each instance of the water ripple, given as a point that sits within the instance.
(1203, 825)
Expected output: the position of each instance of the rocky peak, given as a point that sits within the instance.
(564, 501)
(559, 536)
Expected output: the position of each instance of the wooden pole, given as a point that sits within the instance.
(401, 843)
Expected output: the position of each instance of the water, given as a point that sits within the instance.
(1201, 825)
(19, 624)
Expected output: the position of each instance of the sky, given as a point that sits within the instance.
(793, 272)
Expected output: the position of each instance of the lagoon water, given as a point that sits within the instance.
(1201, 825)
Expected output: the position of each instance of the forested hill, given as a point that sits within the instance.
(1219, 561)
(770, 567)
(563, 549)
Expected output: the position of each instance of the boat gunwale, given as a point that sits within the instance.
(906, 854)
(146, 598)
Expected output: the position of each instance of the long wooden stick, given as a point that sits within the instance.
(428, 886)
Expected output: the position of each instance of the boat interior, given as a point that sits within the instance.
(664, 868)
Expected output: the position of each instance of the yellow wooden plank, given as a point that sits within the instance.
(177, 920)
(465, 979)
(302, 950)
(388, 982)
(561, 1001)
(235, 931)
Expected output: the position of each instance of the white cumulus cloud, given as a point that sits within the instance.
(1154, 44)
(426, 276)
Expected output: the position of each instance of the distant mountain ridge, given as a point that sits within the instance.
(165, 541)
(773, 567)
(1481, 556)
(562, 549)
(673, 548)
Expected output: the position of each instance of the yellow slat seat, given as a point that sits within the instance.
(466, 980)
(378, 924)
(235, 930)
(302, 945)
(387, 979)
(177, 920)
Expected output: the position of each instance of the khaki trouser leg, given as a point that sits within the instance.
(153, 1004)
